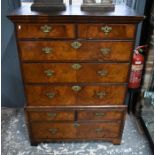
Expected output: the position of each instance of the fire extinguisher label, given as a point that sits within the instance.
(137, 67)
(138, 62)
(135, 76)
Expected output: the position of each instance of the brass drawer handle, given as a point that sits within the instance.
(47, 50)
(102, 73)
(46, 28)
(76, 88)
(76, 45)
(98, 130)
(49, 73)
(101, 94)
(76, 125)
(106, 29)
(51, 114)
(76, 66)
(99, 114)
(53, 131)
(105, 51)
(50, 95)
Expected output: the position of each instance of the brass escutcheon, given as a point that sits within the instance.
(53, 130)
(47, 50)
(76, 66)
(105, 51)
(76, 125)
(99, 114)
(49, 73)
(50, 95)
(51, 114)
(102, 73)
(106, 29)
(46, 28)
(76, 45)
(76, 88)
(98, 130)
(101, 94)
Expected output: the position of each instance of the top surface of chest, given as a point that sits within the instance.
(74, 14)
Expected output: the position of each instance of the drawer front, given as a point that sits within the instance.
(50, 116)
(50, 95)
(100, 115)
(98, 130)
(75, 50)
(45, 31)
(103, 31)
(75, 95)
(101, 95)
(78, 130)
(53, 130)
(75, 72)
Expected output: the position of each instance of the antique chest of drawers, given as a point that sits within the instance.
(75, 67)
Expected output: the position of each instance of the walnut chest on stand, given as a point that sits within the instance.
(75, 67)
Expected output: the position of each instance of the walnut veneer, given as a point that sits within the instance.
(75, 67)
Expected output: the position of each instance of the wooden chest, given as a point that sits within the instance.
(75, 67)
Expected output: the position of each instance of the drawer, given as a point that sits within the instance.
(50, 115)
(75, 130)
(106, 31)
(53, 130)
(101, 95)
(38, 95)
(45, 31)
(99, 130)
(75, 50)
(75, 72)
(101, 115)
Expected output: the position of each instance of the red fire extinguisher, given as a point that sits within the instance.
(137, 67)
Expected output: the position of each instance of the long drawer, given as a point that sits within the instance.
(106, 31)
(78, 130)
(30, 31)
(75, 50)
(75, 72)
(38, 95)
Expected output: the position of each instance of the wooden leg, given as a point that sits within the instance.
(116, 141)
(34, 143)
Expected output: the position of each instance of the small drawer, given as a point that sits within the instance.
(98, 130)
(106, 31)
(101, 115)
(45, 31)
(63, 95)
(75, 72)
(50, 116)
(75, 50)
(53, 130)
